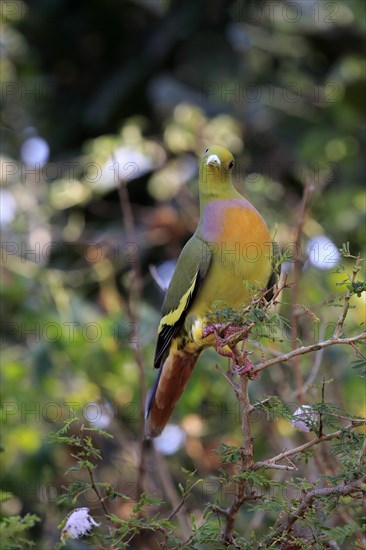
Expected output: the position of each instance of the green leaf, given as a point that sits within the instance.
(13, 532)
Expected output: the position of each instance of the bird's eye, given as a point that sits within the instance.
(231, 164)
(207, 150)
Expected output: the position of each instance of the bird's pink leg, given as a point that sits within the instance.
(241, 364)
(221, 333)
(244, 369)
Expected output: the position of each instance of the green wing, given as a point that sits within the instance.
(189, 274)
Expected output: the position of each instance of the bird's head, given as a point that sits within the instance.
(215, 170)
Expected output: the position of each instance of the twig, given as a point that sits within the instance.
(275, 466)
(265, 349)
(341, 416)
(347, 298)
(308, 499)
(99, 496)
(170, 492)
(240, 335)
(305, 446)
(298, 263)
(362, 452)
(246, 459)
(306, 349)
(129, 224)
(320, 430)
(218, 509)
(314, 369)
(358, 351)
(227, 377)
(178, 508)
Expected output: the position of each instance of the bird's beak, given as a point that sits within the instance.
(213, 160)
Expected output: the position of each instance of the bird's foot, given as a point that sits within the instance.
(245, 369)
(217, 330)
(221, 331)
(214, 328)
(241, 364)
(231, 329)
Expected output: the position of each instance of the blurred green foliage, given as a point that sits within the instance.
(135, 90)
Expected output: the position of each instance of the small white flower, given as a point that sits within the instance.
(305, 418)
(78, 524)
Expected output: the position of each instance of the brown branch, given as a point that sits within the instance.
(307, 349)
(358, 351)
(136, 288)
(274, 466)
(96, 491)
(246, 460)
(335, 339)
(218, 509)
(298, 263)
(308, 445)
(178, 508)
(264, 349)
(227, 376)
(230, 514)
(171, 493)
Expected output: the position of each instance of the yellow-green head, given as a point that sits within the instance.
(215, 174)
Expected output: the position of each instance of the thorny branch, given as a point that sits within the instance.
(241, 389)
(301, 448)
(246, 460)
(232, 340)
(307, 349)
(308, 499)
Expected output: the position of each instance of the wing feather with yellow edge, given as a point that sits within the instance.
(192, 266)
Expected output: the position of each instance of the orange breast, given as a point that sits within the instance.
(243, 225)
(240, 244)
